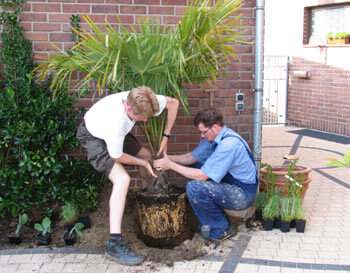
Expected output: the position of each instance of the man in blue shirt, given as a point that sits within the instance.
(222, 170)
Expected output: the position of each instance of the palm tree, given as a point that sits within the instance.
(155, 55)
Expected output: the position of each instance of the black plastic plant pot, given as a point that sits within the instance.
(70, 240)
(13, 238)
(268, 224)
(85, 220)
(300, 226)
(44, 239)
(258, 215)
(69, 227)
(277, 223)
(292, 224)
(285, 227)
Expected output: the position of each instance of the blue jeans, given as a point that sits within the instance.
(208, 199)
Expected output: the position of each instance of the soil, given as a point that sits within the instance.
(97, 236)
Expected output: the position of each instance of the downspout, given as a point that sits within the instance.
(258, 91)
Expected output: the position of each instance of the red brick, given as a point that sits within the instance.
(180, 10)
(105, 9)
(27, 7)
(43, 7)
(126, 19)
(60, 37)
(47, 27)
(133, 9)
(26, 26)
(90, 1)
(76, 8)
(174, 2)
(172, 19)
(118, 1)
(46, 46)
(33, 17)
(161, 10)
(58, 17)
(36, 36)
(147, 2)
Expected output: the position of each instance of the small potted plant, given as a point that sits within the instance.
(337, 163)
(14, 236)
(299, 215)
(287, 213)
(44, 235)
(270, 212)
(70, 215)
(339, 38)
(259, 204)
(70, 237)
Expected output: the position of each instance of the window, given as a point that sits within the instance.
(325, 19)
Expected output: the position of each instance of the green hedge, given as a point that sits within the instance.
(35, 131)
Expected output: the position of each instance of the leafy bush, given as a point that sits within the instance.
(36, 130)
(69, 213)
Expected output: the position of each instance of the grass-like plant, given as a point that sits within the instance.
(260, 201)
(287, 209)
(196, 50)
(271, 210)
(44, 227)
(69, 213)
(299, 211)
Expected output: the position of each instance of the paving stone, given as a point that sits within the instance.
(20, 259)
(52, 267)
(9, 268)
(74, 267)
(29, 267)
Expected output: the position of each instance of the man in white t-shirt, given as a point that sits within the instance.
(104, 134)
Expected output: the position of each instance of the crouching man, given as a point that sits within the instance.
(104, 134)
(222, 170)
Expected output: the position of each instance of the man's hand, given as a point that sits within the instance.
(163, 163)
(163, 146)
(149, 168)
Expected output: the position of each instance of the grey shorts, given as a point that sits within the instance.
(96, 149)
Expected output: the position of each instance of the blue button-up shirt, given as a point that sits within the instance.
(226, 160)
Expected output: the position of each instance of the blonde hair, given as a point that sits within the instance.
(143, 100)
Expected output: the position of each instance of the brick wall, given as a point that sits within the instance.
(48, 20)
(321, 102)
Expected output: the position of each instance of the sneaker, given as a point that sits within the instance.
(119, 253)
(228, 233)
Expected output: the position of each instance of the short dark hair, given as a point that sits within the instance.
(208, 117)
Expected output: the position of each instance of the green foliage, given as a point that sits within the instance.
(271, 210)
(270, 181)
(36, 130)
(260, 200)
(44, 227)
(77, 228)
(75, 24)
(22, 219)
(330, 36)
(342, 35)
(336, 163)
(287, 209)
(294, 183)
(161, 57)
(69, 213)
(299, 212)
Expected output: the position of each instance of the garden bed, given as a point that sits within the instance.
(97, 236)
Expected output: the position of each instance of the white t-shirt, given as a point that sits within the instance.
(107, 120)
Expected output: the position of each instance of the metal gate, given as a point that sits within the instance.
(275, 90)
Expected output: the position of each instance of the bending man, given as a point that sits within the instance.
(222, 170)
(104, 134)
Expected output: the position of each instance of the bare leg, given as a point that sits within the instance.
(121, 181)
(144, 154)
